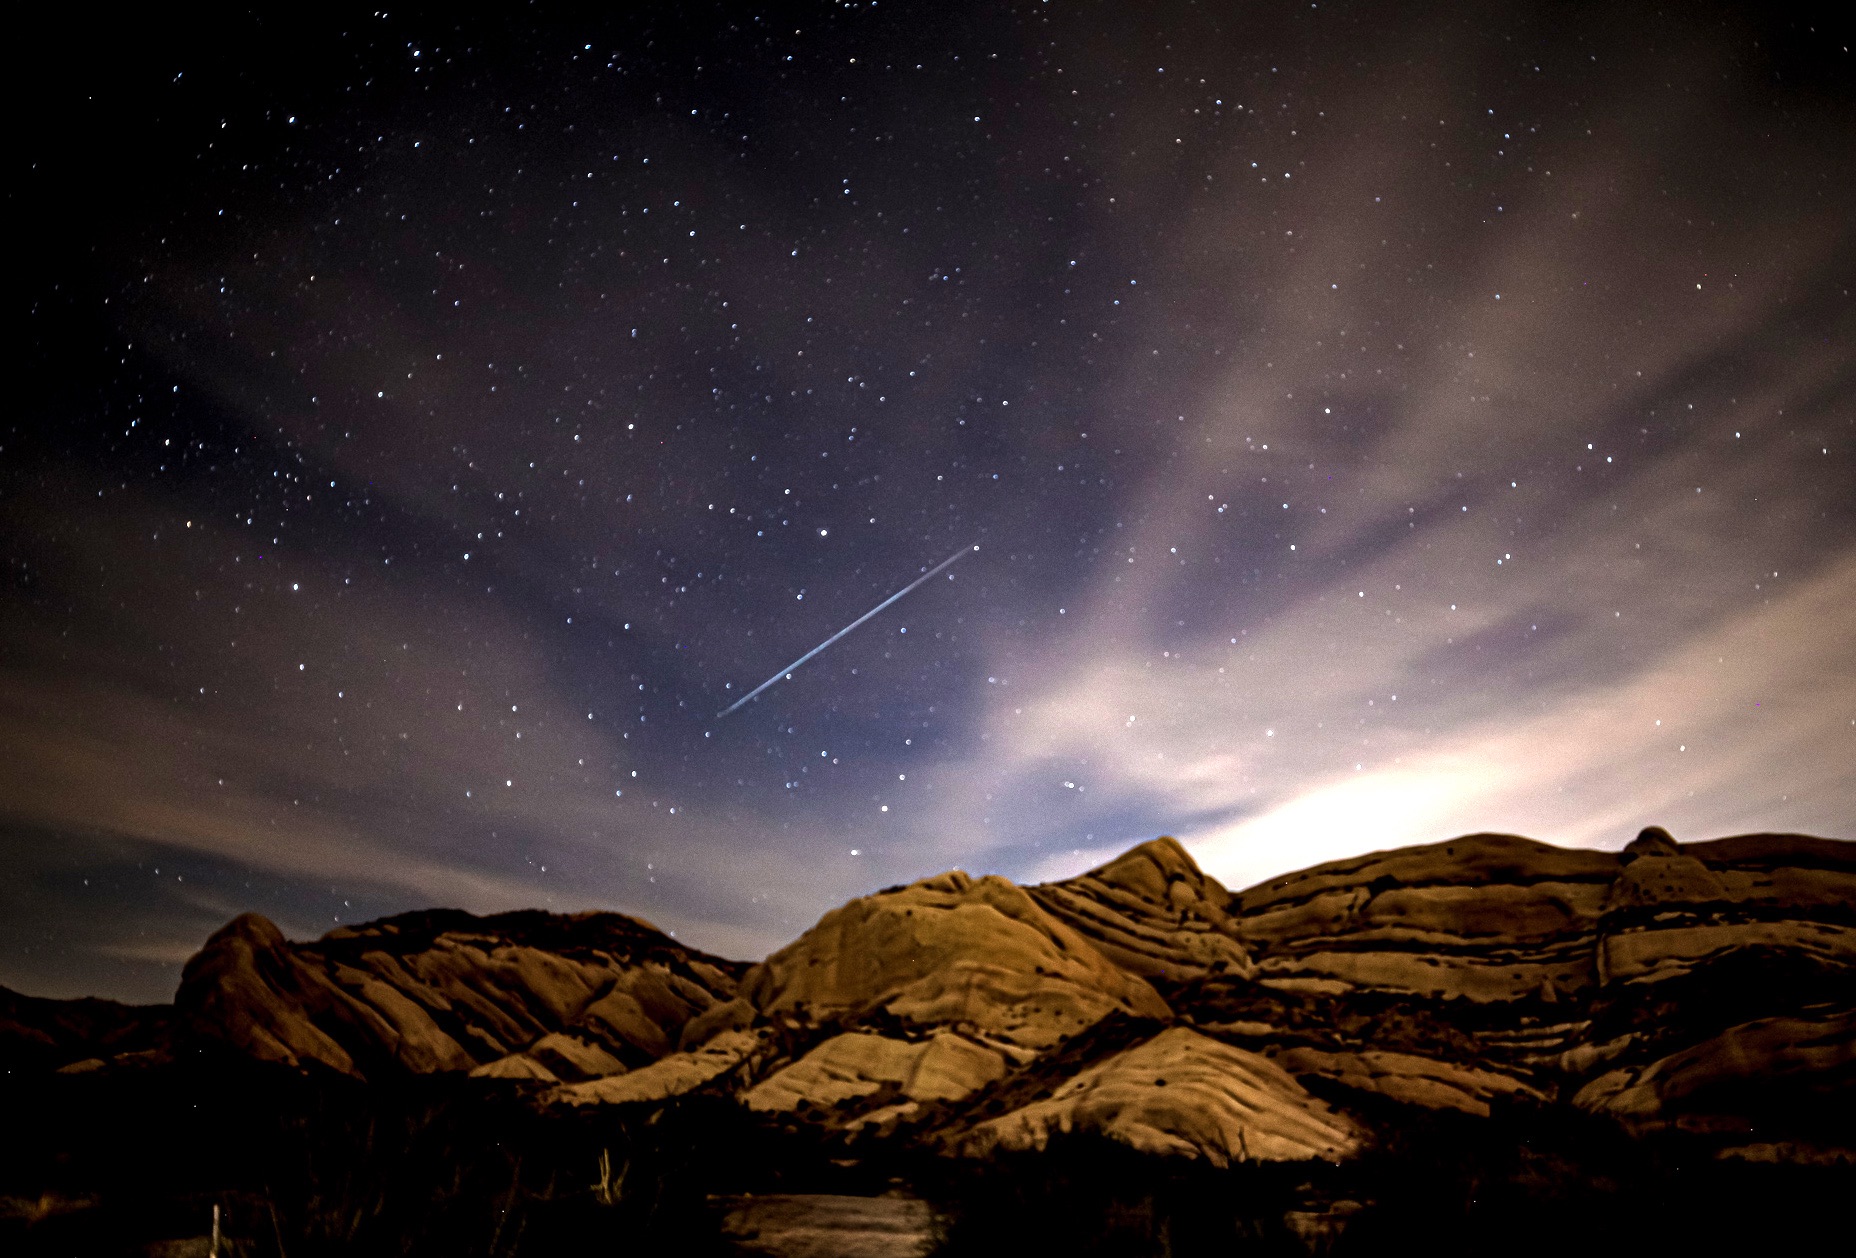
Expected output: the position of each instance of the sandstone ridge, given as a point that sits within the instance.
(1707, 989)
(518, 995)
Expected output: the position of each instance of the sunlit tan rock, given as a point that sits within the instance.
(971, 954)
(515, 1066)
(940, 1068)
(1413, 1080)
(671, 1076)
(1487, 917)
(1181, 1094)
(1650, 952)
(1673, 908)
(1445, 975)
(568, 1057)
(1706, 1087)
(1152, 912)
(447, 992)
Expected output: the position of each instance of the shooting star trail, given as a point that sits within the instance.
(788, 670)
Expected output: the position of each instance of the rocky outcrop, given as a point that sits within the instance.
(1152, 912)
(973, 955)
(675, 1075)
(856, 1065)
(1704, 989)
(1487, 917)
(1731, 1082)
(1674, 908)
(1728, 997)
(918, 996)
(37, 1034)
(1184, 1094)
(520, 995)
(1410, 1079)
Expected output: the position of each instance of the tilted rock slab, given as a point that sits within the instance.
(445, 991)
(1152, 912)
(1180, 1094)
(675, 1075)
(1487, 917)
(1673, 908)
(943, 1067)
(1409, 1078)
(974, 955)
(1706, 1087)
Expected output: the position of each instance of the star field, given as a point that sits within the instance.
(1374, 427)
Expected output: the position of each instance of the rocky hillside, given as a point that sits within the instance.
(524, 995)
(1703, 989)
(38, 1034)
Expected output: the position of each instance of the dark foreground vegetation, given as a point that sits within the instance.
(326, 1166)
(134, 1164)
(1526, 1183)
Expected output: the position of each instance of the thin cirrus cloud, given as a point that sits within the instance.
(1732, 749)
(1744, 725)
(1664, 696)
(1567, 594)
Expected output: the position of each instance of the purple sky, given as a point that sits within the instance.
(1373, 431)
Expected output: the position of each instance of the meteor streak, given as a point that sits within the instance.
(788, 670)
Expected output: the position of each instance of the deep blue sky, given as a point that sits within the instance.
(1374, 426)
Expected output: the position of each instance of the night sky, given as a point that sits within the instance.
(1376, 423)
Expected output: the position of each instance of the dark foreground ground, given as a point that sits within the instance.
(134, 1164)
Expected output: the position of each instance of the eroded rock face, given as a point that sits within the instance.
(1487, 917)
(1674, 908)
(1669, 986)
(1406, 1077)
(1729, 997)
(39, 1034)
(943, 1067)
(1725, 1082)
(1152, 912)
(574, 997)
(1181, 1094)
(978, 956)
(1707, 989)
(675, 1075)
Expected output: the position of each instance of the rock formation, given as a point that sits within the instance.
(1152, 912)
(1707, 989)
(518, 995)
(38, 1034)
(1180, 1093)
(976, 955)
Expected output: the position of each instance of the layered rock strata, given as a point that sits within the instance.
(1180, 1093)
(38, 1034)
(523, 994)
(1706, 988)
(1154, 913)
(976, 955)
(1487, 917)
